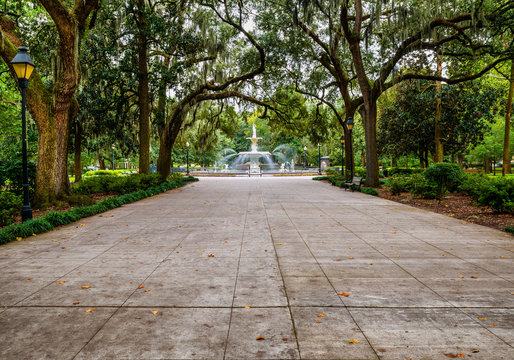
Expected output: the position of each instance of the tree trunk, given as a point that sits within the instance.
(78, 152)
(438, 156)
(143, 91)
(369, 116)
(460, 160)
(101, 162)
(508, 114)
(363, 158)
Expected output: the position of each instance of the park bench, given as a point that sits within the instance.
(354, 184)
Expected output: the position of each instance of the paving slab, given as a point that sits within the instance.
(259, 268)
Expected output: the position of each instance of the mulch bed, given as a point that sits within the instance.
(459, 206)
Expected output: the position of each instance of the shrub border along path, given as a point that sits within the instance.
(53, 219)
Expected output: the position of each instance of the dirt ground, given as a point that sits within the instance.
(459, 206)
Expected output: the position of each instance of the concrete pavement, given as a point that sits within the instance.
(206, 270)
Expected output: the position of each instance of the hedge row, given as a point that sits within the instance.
(339, 182)
(52, 219)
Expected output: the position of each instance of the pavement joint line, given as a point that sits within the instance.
(330, 282)
(282, 277)
(129, 296)
(421, 282)
(237, 275)
(69, 272)
(262, 307)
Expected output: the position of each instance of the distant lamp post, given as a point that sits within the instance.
(23, 67)
(342, 155)
(187, 158)
(350, 128)
(113, 147)
(305, 156)
(319, 159)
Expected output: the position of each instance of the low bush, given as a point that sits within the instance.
(52, 219)
(509, 229)
(117, 185)
(403, 171)
(10, 206)
(498, 194)
(398, 184)
(369, 191)
(444, 177)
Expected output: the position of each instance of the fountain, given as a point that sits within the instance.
(255, 155)
(234, 160)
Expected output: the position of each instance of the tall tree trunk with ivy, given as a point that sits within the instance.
(50, 106)
(507, 157)
(438, 156)
(143, 88)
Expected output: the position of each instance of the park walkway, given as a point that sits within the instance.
(206, 270)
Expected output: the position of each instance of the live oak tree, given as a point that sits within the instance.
(381, 36)
(50, 96)
(224, 76)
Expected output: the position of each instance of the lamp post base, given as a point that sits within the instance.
(26, 213)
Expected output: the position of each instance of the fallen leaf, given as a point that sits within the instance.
(461, 277)
(19, 238)
(475, 350)
(459, 355)
(141, 287)
(279, 244)
(284, 339)
(443, 255)
(154, 312)
(343, 293)
(210, 255)
(202, 250)
(474, 277)
(90, 310)
(351, 257)
(76, 303)
(353, 341)
(61, 282)
(29, 278)
(321, 315)
(260, 338)
(318, 322)
(247, 307)
(86, 287)
(481, 318)
(55, 240)
(147, 290)
(82, 224)
(502, 257)
(34, 235)
(493, 324)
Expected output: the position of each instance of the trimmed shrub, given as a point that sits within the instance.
(398, 184)
(509, 229)
(10, 206)
(403, 171)
(445, 177)
(117, 185)
(498, 194)
(369, 191)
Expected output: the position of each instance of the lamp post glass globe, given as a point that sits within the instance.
(23, 67)
(305, 156)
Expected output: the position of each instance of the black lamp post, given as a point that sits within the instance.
(305, 157)
(319, 159)
(342, 155)
(204, 161)
(23, 67)
(113, 147)
(187, 158)
(350, 128)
